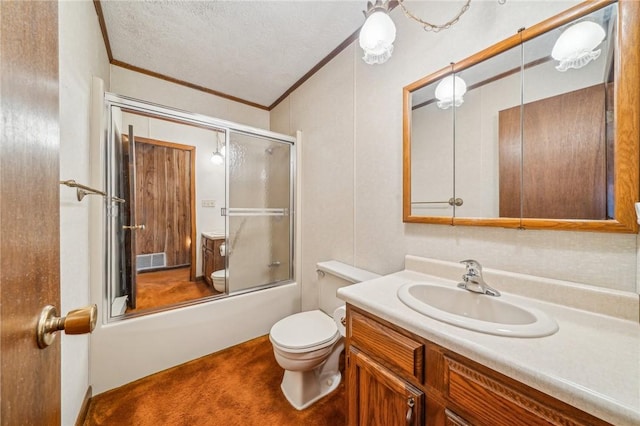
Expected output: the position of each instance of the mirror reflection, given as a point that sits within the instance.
(527, 133)
(206, 211)
(492, 86)
(432, 134)
(162, 226)
(566, 117)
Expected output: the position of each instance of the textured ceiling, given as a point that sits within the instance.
(252, 50)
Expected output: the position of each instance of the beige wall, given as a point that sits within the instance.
(140, 86)
(323, 109)
(82, 55)
(351, 117)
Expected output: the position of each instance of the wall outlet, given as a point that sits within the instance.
(208, 203)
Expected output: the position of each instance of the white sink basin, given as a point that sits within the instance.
(478, 312)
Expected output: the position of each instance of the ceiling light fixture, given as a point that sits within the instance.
(450, 92)
(575, 46)
(218, 156)
(379, 32)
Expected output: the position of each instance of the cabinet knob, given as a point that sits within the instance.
(411, 402)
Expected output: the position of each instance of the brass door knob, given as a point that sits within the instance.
(78, 321)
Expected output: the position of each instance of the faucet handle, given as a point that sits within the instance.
(473, 267)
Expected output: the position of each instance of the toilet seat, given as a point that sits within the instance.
(304, 331)
(219, 274)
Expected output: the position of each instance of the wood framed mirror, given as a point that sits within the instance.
(516, 142)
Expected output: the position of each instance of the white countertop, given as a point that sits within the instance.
(592, 362)
(214, 235)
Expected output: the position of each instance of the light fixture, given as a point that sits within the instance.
(378, 33)
(450, 92)
(575, 46)
(218, 156)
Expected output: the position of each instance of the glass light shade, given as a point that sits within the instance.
(575, 46)
(217, 158)
(376, 38)
(222, 150)
(450, 92)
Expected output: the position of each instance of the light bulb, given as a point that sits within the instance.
(376, 37)
(575, 46)
(450, 92)
(217, 158)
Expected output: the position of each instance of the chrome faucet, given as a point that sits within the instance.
(473, 280)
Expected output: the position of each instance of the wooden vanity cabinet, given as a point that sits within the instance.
(397, 378)
(379, 397)
(211, 258)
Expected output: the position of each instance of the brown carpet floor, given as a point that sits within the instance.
(168, 287)
(239, 386)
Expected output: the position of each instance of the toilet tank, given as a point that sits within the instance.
(331, 276)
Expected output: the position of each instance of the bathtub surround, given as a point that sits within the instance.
(125, 351)
(214, 391)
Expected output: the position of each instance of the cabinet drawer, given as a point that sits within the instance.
(452, 419)
(387, 344)
(494, 402)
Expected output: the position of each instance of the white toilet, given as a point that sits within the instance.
(219, 278)
(308, 344)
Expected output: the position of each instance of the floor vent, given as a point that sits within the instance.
(151, 261)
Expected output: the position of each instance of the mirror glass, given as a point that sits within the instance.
(162, 224)
(492, 85)
(522, 133)
(260, 196)
(205, 212)
(432, 134)
(567, 119)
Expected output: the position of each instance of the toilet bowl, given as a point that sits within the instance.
(307, 345)
(219, 278)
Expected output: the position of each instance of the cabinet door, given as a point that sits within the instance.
(378, 397)
(218, 260)
(208, 265)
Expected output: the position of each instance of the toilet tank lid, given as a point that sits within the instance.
(346, 272)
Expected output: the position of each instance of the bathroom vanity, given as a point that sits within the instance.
(406, 379)
(407, 368)
(212, 260)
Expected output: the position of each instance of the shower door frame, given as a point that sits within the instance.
(292, 191)
(126, 103)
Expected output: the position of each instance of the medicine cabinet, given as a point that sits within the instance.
(532, 132)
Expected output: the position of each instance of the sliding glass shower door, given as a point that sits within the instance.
(259, 211)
